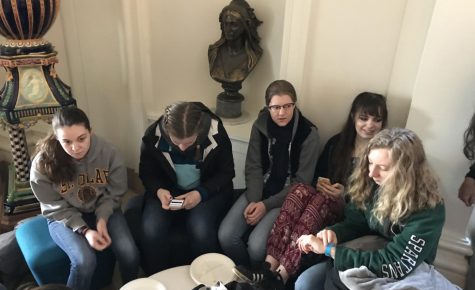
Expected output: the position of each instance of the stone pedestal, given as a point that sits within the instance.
(229, 106)
(228, 103)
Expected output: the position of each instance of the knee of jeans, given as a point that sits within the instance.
(303, 283)
(299, 285)
(128, 251)
(312, 278)
(153, 228)
(223, 231)
(85, 263)
(256, 249)
(227, 235)
(201, 230)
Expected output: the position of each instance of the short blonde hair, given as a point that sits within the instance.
(411, 186)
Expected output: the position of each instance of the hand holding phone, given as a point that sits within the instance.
(176, 204)
(324, 185)
(324, 180)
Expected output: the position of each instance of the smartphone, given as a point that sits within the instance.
(176, 203)
(324, 180)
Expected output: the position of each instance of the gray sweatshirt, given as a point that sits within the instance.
(100, 183)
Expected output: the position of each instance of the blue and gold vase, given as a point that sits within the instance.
(32, 90)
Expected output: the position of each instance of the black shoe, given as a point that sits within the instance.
(253, 276)
(262, 277)
(273, 282)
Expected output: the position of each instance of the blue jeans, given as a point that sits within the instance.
(313, 278)
(83, 257)
(233, 229)
(201, 223)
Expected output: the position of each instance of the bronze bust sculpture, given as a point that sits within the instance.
(234, 55)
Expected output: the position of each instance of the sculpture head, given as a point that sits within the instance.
(240, 12)
(238, 31)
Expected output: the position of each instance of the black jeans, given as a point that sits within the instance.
(201, 225)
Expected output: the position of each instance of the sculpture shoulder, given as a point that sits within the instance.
(228, 68)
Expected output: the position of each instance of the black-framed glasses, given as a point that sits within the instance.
(276, 108)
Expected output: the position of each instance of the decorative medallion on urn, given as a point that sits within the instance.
(32, 89)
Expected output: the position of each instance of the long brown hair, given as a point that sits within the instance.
(367, 103)
(469, 140)
(410, 185)
(53, 161)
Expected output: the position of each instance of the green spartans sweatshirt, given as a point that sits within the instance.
(411, 242)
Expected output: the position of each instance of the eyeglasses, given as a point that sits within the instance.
(276, 108)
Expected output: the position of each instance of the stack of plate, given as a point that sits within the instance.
(210, 268)
(142, 284)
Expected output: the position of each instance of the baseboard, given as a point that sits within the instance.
(452, 257)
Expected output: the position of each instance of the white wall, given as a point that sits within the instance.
(97, 55)
(129, 59)
(444, 100)
(359, 46)
(126, 60)
(442, 105)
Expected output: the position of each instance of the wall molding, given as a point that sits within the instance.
(74, 53)
(138, 49)
(294, 41)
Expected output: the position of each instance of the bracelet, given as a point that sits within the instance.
(328, 249)
(82, 230)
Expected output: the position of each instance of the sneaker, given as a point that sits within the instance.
(253, 276)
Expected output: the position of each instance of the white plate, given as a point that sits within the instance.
(210, 268)
(142, 284)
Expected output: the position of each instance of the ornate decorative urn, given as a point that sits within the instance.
(32, 89)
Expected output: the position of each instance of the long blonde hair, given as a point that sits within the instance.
(410, 186)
